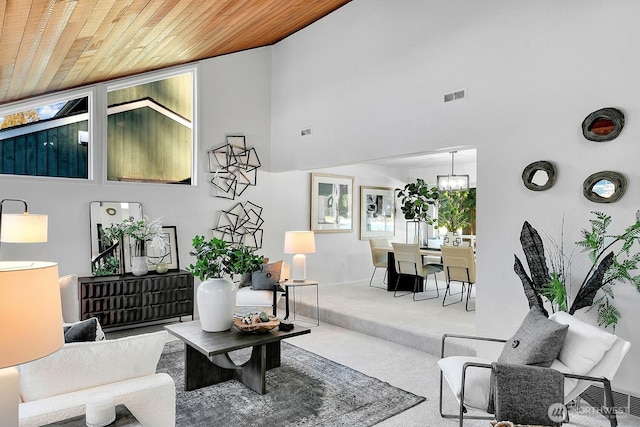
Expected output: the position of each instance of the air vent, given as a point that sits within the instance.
(455, 96)
(621, 402)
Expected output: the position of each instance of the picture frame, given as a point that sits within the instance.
(168, 253)
(331, 203)
(377, 212)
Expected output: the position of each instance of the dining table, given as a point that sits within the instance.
(406, 283)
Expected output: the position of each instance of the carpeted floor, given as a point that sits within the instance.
(307, 390)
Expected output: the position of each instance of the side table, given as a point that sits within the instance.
(290, 290)
(124, 418)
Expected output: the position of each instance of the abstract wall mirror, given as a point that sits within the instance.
(603, 125)
(539, 176)
(604, 187)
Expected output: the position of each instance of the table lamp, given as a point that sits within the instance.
(30, 324)
(22, 228)
(299, 243)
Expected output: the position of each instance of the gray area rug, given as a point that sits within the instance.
(306, 390)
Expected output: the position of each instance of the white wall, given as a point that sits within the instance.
(234, 98)
(370, 78)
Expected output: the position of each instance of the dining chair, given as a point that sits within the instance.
(379, 257)
(459, 264)
(408, 262)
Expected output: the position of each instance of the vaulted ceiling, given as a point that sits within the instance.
(52, 45)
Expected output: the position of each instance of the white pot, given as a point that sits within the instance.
(216, 299)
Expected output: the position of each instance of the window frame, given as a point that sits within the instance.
(64, 96)
(143, 79)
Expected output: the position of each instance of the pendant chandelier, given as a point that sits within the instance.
(453, 182)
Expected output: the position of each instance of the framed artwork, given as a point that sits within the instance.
(167, 253)
(331, 203)
(377, 212)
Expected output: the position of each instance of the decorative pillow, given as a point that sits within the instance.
(80, 331)
(267, 277)
(585, 344)
(245, 280)
(537, 341)
(85, 330)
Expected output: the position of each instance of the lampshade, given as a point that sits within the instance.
(299, 242)
(23, 228)
(30, 311)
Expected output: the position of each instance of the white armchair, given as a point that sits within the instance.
(70, 298)
(588, 355)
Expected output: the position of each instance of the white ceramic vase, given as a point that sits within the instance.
(139, 260)
(216, 299)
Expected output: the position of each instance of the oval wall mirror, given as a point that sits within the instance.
(539, 176)
(603, 125)
(604, 187)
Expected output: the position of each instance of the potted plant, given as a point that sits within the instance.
(614, 258)
(140, 231)
(455, 210)
(244, 261)
(416, 199)
(215, 261)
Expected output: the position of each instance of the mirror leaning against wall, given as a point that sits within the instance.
(106, 255)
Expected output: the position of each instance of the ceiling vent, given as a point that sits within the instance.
(455, 96)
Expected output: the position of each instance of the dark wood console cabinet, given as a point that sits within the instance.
(119, 301)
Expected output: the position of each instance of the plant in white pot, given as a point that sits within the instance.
(216, 260)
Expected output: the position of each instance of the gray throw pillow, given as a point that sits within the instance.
(537, 341)
(267, 277)
(84, 330)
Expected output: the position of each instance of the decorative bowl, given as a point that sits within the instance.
(256, 328)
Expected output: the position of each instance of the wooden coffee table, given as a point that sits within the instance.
(207, 358)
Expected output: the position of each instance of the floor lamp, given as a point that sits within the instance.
(30, 325)
(299, 243)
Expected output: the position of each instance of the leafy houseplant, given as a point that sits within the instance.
(140, 231)
(111, 266)
(608, 267)
(243, 260)
(212, 258)
(455, 209)
(416, 198)
(217, 258)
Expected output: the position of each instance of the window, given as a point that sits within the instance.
(50, 138)
(150, 130)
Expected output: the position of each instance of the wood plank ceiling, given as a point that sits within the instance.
(52, 45)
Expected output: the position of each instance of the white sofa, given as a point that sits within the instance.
(57, 387)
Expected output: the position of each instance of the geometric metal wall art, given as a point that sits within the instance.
(241, 224)
(234, 167)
